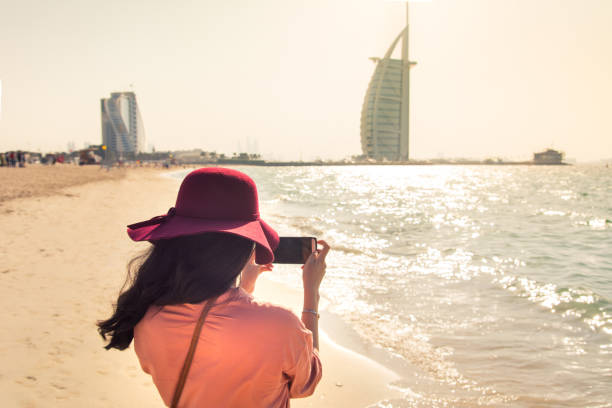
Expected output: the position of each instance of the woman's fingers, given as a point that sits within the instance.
(265, 268)
(323, 252)
(311, 258)
(314, 268)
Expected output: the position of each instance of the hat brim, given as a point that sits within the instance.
(262, 234)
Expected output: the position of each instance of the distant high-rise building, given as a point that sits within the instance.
(122, 129)
(385, 112)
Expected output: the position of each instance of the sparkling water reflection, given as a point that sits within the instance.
(492, 284)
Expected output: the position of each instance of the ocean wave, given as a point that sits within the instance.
(592, 309)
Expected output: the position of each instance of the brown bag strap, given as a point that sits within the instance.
(192, 348)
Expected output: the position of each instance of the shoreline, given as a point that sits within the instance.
(350, 378)
(63, 269)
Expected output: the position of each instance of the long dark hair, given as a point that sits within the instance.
(187, 269)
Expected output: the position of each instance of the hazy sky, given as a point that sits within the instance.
(494, 78)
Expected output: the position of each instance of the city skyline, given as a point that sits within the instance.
(495, 79)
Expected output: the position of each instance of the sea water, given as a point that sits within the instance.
(486, 285)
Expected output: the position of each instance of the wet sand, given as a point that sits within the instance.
(64, 252)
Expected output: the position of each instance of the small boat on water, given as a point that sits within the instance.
(549, 157)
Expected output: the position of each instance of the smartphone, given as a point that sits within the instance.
(294, 250)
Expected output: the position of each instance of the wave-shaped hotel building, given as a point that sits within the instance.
(385, 113)
(122, 128)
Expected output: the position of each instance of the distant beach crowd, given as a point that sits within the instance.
(20, 158)
(13, 159)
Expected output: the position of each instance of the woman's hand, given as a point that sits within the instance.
(250, 273)
(313, 272)
(312, 275)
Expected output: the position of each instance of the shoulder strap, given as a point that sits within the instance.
(178, 390)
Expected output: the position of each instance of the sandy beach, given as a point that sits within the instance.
(40, 180)
(64, 251)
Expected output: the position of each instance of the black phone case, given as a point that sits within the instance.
(294, 250)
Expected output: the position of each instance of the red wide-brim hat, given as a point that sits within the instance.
(213, 199)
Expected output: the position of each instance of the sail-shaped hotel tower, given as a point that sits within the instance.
(122, 129)
(385, 112)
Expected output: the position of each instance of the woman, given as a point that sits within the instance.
(196, 328)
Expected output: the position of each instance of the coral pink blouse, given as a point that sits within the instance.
(250, 354)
